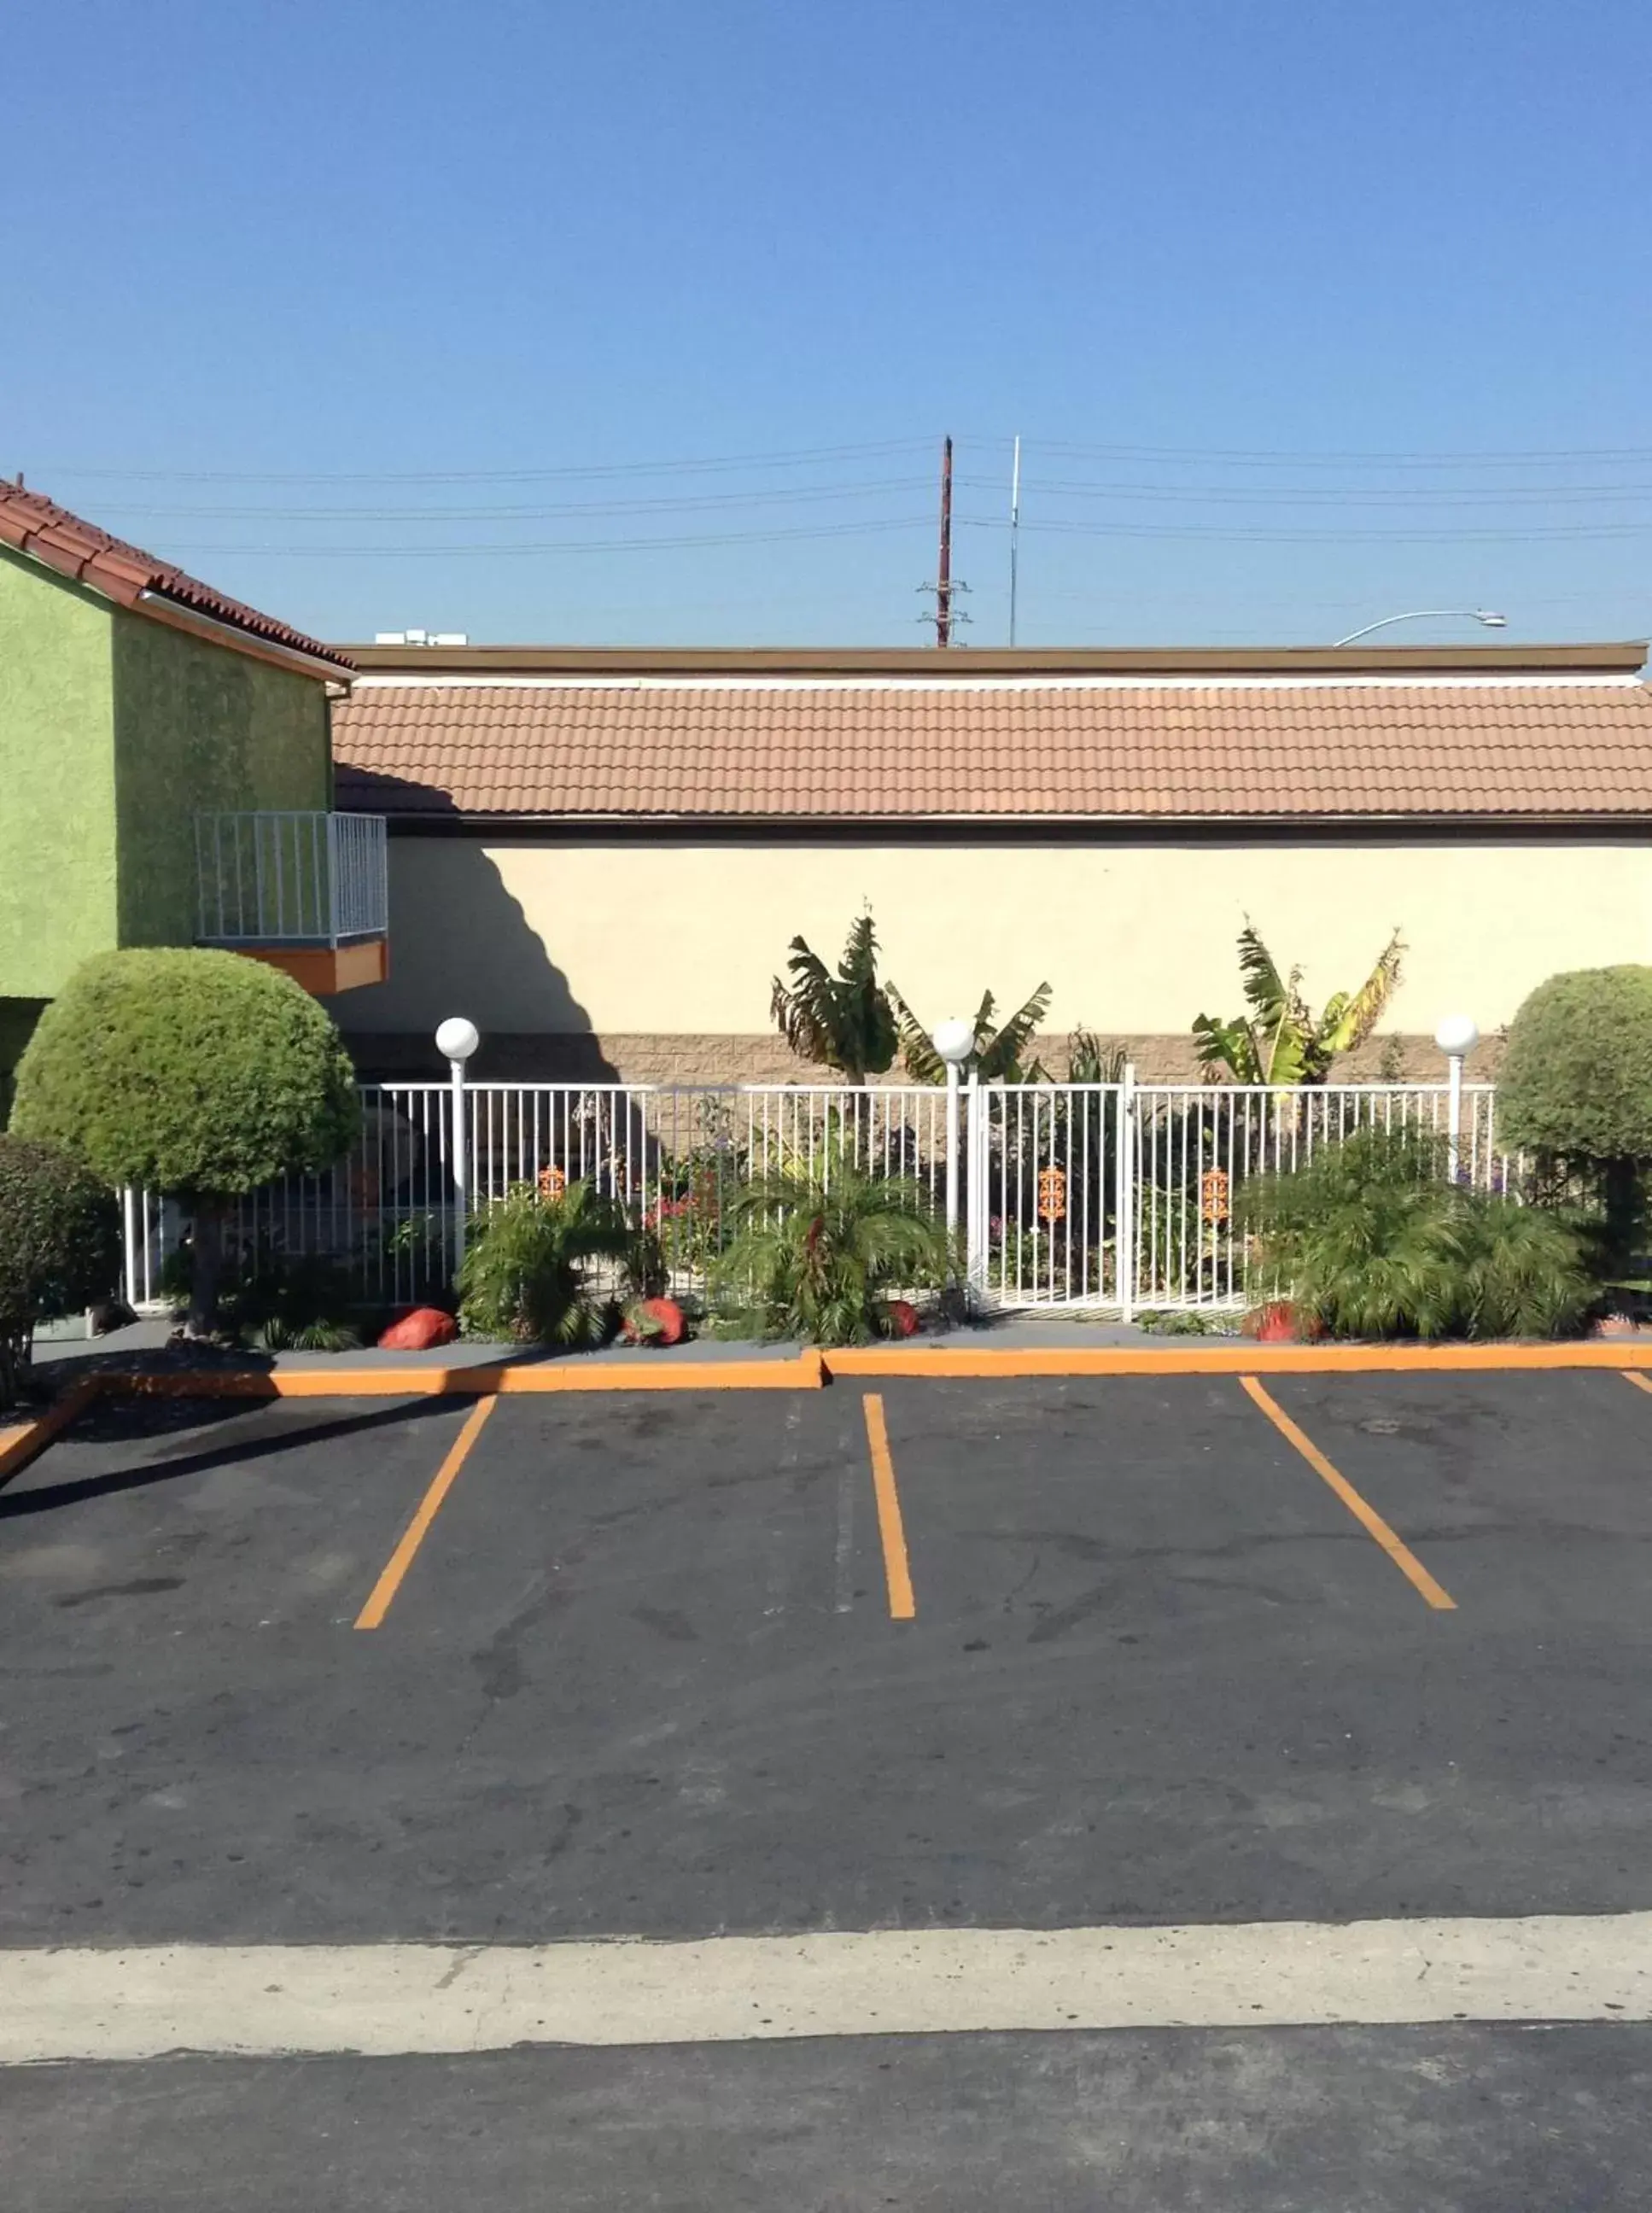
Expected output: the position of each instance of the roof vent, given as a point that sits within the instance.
(421, 638)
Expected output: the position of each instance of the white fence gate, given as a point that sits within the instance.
(1191, 1147)
(1103, 1198)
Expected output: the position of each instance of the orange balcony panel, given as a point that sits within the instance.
(325, 969)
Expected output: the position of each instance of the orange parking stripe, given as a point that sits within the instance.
(1639, 1381)
(401, 1559)
(1400, 1553)
(903, 1607)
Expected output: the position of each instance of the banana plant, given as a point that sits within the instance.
(1281, 1041)
(843, 1020)
(996, 1055)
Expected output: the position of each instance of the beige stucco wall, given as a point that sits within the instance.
(634, 939)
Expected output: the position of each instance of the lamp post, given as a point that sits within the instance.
(1456, 1037)
(456, 1039)
(1430, 614)
(955, 1040)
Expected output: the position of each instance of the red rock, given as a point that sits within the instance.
(655, 1321)
(903, 1318)
(1279, 1323)
(419, 1331)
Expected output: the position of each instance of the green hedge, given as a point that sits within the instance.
(60, 1246)
(199, 1073)
(1576, 1079)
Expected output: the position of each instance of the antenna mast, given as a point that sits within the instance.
(1014, 529)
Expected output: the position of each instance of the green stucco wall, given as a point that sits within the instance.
(58, 900)
(199, 726)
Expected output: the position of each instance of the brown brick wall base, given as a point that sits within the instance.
(557, 1057)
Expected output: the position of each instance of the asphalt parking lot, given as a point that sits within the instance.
(640, 1675)
(1014, 1656)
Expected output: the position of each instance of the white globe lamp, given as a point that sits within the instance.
(955, 1040)
(456, 1039)
(1457, 1035)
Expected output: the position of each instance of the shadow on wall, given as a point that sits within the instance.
(460, 944)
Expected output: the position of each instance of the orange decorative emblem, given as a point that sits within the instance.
(1052, 1193)
(552, 1182)
(1213, 1194)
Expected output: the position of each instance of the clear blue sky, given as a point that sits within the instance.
(271, 262)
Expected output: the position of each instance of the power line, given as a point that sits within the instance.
(574, 545)
(1262, 458)
(809, 457)
(813, 456)
(1168, 530)
(1329, 496)
(786, 497)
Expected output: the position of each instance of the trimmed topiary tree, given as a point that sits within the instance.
(59, 1248)
(199, 1073)
(1575, 1085)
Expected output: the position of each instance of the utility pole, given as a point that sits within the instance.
(948, 615)
(943, 574)
(1014, 529)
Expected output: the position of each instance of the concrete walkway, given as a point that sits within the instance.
(148, 1343)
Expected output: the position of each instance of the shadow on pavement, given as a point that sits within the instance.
(46, 1497)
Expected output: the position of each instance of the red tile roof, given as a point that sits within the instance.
(37, 527)
(816, 750)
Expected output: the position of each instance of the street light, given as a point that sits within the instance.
(1430, 614)
(1456, 1036)
(456, 1039)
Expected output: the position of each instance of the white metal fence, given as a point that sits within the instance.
(1109, 1198)
(1192, 1147)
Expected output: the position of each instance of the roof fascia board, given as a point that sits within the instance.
(1619, 657)
(438, 680)
(176, 616)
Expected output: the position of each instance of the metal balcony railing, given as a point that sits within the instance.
(291, 878)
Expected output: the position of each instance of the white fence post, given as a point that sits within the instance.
(129, 1220)
(456, 1142)
(456, 1039)
(976, 1195)
(1124, 1231)
(1457, 1034)
(952, 1159)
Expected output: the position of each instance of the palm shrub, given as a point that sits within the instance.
(200, 1074)
(842, 1021)
(524, 1276)
(1575, 1088)
(1371, 1239)
(59, 1248)
(1281, 1040)
(996, 1056)
(819, 1251)
(276, 1301)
